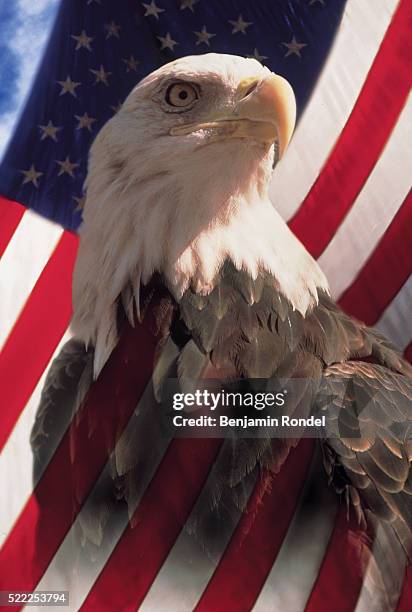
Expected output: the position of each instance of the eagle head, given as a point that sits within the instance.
(178, 183)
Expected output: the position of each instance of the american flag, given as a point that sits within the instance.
(344, 188)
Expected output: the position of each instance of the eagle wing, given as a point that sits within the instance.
(367, 455)
(67, 382)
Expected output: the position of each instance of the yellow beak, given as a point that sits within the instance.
(271, 102)
(266, 114)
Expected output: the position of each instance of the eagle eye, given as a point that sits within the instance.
(181, 95)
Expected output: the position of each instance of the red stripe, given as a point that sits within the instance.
(10, 215)
(158, 520)
(94, 431)
(36, 333)
(386, 271)
(408, 353)
(340, 577)
(246, 563)
(362, 139)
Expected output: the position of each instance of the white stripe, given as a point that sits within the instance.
(396, 321)
(21, 265)
(188, 568)
(377, 204)
(358, 39)
(294, 573)
(16, 459)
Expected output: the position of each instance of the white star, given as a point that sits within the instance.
(131, 64)
(256, 55)
(66, 166)
(152, 9)
(81, 200)
(240, 25)
(68, 86)
(204, 36)
(49, 131)
(294, 48)
(112, 29)
(167, 42)
(83, 41)
(85, 122)
(188, 4)
(31, 176)
(100, 75)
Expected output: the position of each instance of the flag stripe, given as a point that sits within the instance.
(31, 246)
(377, 204)
(362, 139)
(157, 522)
(396, 321)
(341, 572)
(10, 216)
(91, 454)
(337, 89)
(304, 546)
(36, 333)
(16, 459)
(385, 272)
(251, 552)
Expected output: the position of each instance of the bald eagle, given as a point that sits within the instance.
(177, 206)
